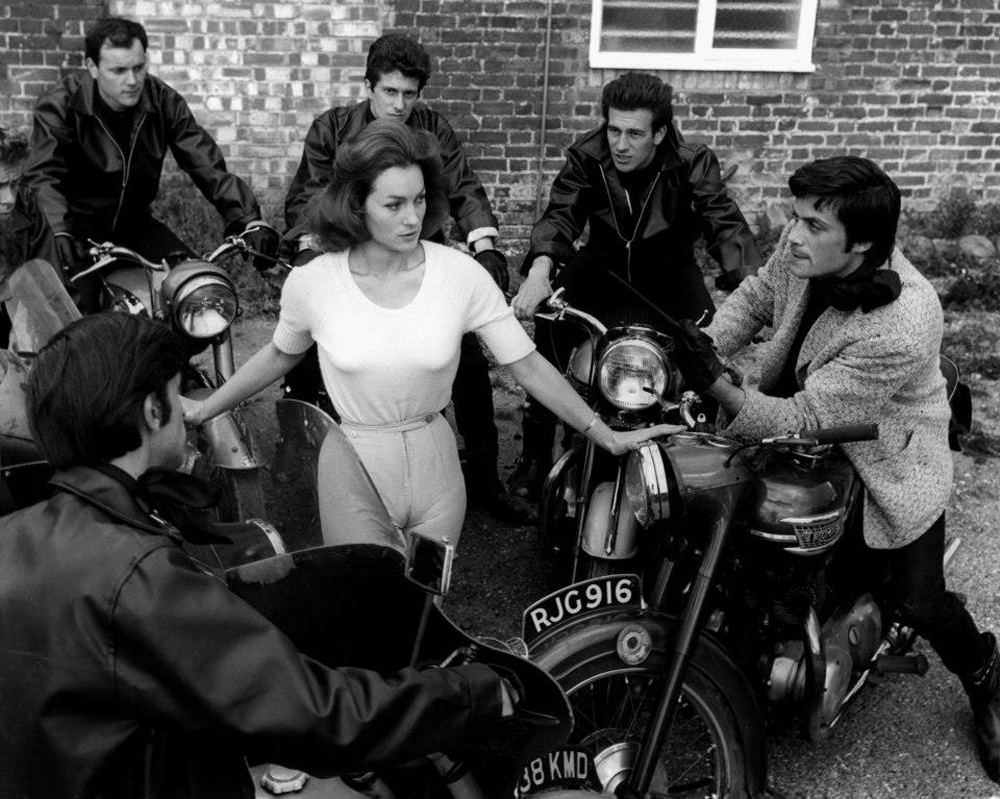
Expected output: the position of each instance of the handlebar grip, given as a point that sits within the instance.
(842, 433)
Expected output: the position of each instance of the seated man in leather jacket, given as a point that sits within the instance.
(24, 233)
(396, 72)
(647, 197)
(97, 149)
(857, 339)
(128, 669)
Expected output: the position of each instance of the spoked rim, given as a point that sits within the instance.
(611, 713)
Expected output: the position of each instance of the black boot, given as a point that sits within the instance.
(983, 687)
(536, 458)
(485, 491)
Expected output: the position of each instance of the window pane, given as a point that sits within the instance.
(649, 26)
(763, 24)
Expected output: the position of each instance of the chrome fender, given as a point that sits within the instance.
(228, 443)
(225, 441)
(597, 539)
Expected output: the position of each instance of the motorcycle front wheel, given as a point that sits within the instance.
(716, 743)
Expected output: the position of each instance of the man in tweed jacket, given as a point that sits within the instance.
(857, 337)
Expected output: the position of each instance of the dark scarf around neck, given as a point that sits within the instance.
(180, 499)
(867, 289)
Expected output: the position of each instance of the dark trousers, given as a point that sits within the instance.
(472, 394)
(917, 582)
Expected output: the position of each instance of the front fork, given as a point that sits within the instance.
(717, 518)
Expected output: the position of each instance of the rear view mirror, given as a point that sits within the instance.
(428, 563)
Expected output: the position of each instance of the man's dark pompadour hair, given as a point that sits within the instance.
(396, 52)
(864, 198)
(635, 90)
(87, 387)
(116, 32)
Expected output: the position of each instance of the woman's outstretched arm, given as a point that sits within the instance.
(542, 380)
(264, 367)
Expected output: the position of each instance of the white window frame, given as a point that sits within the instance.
(705, 57)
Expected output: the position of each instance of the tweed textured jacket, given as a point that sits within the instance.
(854, 367)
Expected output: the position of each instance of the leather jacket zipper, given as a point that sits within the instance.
(638, 220)
(127, 162)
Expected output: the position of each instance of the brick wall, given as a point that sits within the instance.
(911, 83)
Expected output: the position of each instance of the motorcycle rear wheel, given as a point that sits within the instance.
(709, 752)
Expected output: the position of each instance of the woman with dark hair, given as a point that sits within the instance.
(388, 312)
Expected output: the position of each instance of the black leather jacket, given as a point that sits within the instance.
(88, 186)
(655, 251)
(129, 672)
(467, 201)
(29, 237)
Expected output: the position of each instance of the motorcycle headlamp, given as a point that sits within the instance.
(201, 299)
(632, 374)
(647, 485)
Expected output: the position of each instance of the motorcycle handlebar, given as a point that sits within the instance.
(843, 433)
(840, 434)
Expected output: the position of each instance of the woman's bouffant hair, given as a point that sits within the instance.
(336, 216)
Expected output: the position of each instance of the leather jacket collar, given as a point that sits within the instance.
(82, 100)
(111, 496)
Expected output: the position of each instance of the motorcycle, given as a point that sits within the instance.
(625, 374)
(198, 300)
(369, 606)
(726, 583)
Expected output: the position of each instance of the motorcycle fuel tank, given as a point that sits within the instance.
(801, 502)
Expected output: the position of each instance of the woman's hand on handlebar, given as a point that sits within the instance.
(622, 442)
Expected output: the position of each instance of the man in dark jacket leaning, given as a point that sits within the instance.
(397, 70)
(129, 670)
(97, 149)
(647, 198)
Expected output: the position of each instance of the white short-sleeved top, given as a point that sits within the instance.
(384, 365)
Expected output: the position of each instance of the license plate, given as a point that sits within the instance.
(579, 599)
(568, 768)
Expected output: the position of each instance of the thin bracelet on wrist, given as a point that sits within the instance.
(594, 420)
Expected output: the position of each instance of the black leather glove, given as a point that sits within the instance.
(72, 253)
(695, 356)
(727, 281)
(302, 257)
(494, 262)
(264, 239)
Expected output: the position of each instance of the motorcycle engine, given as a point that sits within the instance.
(813, 674)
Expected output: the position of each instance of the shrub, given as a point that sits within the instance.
(977, 289)
(952, 218)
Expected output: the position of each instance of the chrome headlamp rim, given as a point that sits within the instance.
(182, 287)
(658, 378)
(647, 486)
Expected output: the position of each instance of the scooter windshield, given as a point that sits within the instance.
(316, 490)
